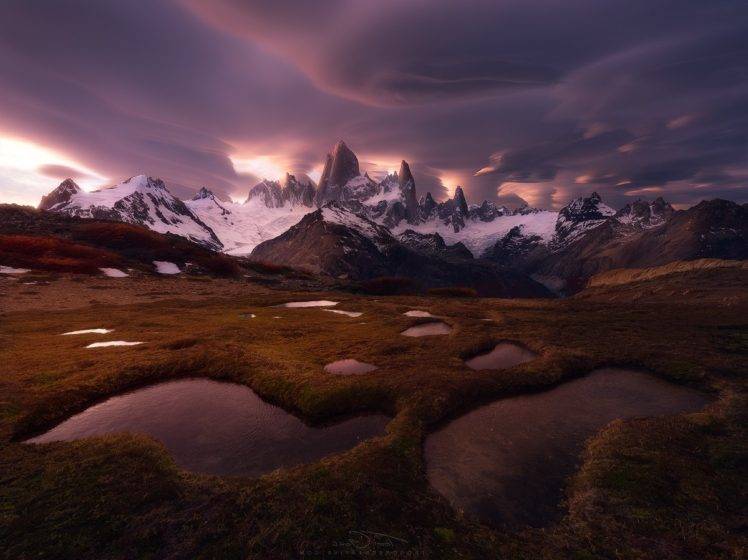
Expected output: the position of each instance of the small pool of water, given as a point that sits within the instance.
(504, 355)
(349, 366)
(428, 329)
(418, 313)
(317, 303)
(216, 427)
(507, 462)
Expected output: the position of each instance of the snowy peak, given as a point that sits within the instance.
(204, 193)
(641, 214)
(580, 216)
(138, 200)
(63, 193)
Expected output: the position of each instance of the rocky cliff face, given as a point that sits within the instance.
(336, 242)
(61, 195)
(579, 217)
(341, 165)
(408, 190)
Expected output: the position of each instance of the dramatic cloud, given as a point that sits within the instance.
(519, 100)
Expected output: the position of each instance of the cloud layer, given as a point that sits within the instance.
(516, 100)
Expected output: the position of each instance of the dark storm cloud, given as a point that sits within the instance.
(550, 99)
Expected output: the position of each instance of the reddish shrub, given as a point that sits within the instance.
(54, 254)
(117, 235)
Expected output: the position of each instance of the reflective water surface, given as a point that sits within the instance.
(503, 355)
(507, 462)
(428, 329)
(217, 428)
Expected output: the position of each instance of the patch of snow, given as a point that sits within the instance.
(11, 270)
(114, 272)
(316, 303)
(88, 331)
(346, 313)
(418, 313)
(166, 267)
(391, 195)
(112, 343)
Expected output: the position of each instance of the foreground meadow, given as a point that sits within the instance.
(668, 487)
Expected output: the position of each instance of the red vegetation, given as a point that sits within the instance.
(116, 235)
(54, 254)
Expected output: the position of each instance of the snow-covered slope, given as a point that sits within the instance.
(241, 227)
(138, 200)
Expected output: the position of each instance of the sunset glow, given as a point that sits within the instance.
(28, 170)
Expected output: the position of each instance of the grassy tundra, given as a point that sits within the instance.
(650, 488)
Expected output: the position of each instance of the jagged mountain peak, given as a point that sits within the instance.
(460, 201)
(408, 189)
(642, 214)
(63, 193)
(579, 216)
(204, 192)
(341, 165)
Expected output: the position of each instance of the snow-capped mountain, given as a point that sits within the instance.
(579, 217)
(641, 214)
(241, 227)
(276, 194)
(138, 200)
(451, 227)
(335, 241)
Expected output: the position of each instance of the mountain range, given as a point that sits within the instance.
(353, 227)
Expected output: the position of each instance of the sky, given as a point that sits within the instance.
(534, 101)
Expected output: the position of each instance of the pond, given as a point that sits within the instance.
(504, 355)
(507, 462)
(216, 427)
(428, 329)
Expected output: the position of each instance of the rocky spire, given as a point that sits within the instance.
(204, 192)
(429, 205)
(341, 166)
(62, 193)
(408, 188)
(298, 191)
(460, 201)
